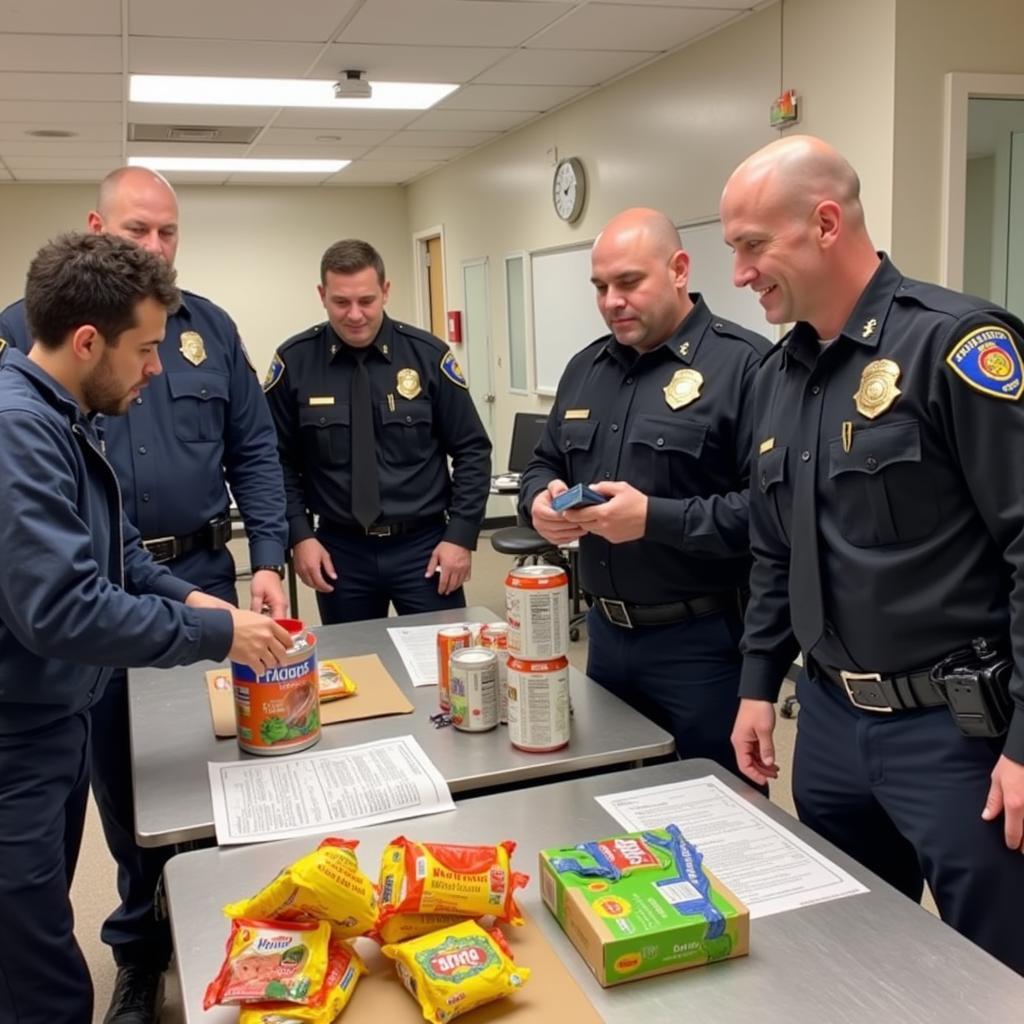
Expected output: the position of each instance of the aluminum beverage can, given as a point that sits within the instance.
(495, 636)
(537, 611)
(474, 689)
(538, 704)
(278, 711)
(449, 640)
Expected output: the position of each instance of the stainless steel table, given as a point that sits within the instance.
(172, 734)
(866, 959)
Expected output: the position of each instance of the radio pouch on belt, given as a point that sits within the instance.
(975, 685)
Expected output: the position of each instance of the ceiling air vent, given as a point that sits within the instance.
(221, 134)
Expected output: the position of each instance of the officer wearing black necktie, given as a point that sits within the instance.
(368, 412)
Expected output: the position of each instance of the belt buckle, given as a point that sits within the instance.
(378, 531)
(161, 548)
(863, 677)
(616, 612)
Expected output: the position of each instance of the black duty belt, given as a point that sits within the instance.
(213, 536)
(629, 616)
(382, 529)
(872, 691)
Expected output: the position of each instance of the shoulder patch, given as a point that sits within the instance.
(274, 373)
(3, 344)
(451, 369)
(988, 360)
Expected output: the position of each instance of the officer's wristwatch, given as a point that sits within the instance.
(279, 569)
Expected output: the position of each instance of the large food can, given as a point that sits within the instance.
(449, 640)
(474, 689)
(538, 704)
(537, 610)
(278, 711)
(495, 636)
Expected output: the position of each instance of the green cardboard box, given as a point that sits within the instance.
(642, 903)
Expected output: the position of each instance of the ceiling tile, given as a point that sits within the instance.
(83, 17)
(448, 22)
(4, 176)
(624, 27)
(436, 153)
(83, 133)
(308, 137)
(311, 151)
(277, 179)
(414, 137)
(60, 147)
(338, 120)
(60, 53)
(720, 5)
(149, 55)
(56, 176)
(172, 113)
(23, 85)
(562, 67)
(408, 63)
(186, 149)
(179, 178)
(302, 20)
(40, 163)
(509, 97)
(29, 112)
(382, 173)
(472, 120)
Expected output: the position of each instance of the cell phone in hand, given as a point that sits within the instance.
(577, 497)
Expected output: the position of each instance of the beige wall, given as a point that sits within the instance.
(934, 37)
(253, 250)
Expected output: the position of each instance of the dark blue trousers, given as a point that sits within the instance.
(374, 572)
(903, 795)
(684, 677)
(44, 783)
(137, 930)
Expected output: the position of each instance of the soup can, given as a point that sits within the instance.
(495, 636)
(538, 704)
(278, 711)
(537, 610)
(449, 640)
(474, 689)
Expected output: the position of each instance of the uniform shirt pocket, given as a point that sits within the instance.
(407, 435)
(200, 401)
(664, 455)
(771, 479)
(883, 492)
(325, 429)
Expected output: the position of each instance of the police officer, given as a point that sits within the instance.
(888, 535)
(368, 410)
(78, 593)
(201, 425)
(655, 418)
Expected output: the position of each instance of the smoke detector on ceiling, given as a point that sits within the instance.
(352, 86)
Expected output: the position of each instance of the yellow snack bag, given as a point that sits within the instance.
(334, 683)
(324, 885)
(457, 969)
(344, 968)
(442, 878)
(400, 927)
(279, 960)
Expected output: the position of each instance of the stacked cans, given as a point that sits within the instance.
(537, 607)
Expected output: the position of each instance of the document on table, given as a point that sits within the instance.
(301, 794)
(768, 867)
(418, 647)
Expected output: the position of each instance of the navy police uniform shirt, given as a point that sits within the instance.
(887, 513)
(675, 423)
(423, 413)
(202, 422)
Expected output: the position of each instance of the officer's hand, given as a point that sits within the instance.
(267, 594)
(622, 518)
(313, 565)
(452, 563)
(552, 525)
(199, 599)
(1006, 795)
(258, 641)
(752, 740)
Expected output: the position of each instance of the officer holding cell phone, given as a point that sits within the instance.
(653, 421)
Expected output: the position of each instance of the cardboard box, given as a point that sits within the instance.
(642, 903)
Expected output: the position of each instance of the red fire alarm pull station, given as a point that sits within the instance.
(454, 325)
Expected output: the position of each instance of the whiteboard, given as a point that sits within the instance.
(565, 316)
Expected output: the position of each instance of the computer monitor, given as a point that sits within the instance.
(527, 428)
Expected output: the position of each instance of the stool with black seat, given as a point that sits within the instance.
(528, 547)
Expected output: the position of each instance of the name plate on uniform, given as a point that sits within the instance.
(322, 400)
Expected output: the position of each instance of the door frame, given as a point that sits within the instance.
(421, 285)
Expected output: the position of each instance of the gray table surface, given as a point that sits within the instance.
(866, 959)
(172, 733)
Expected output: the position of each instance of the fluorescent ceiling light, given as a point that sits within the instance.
(281, 92)
(235, 164)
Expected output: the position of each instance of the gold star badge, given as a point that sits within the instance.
(408, 383)
(683, 388)
(869, 328)
(877, 389)
(192, 348)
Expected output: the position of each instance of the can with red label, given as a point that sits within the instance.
(537, 611)
(278, 711)
(538, 704)
(495, 636)
(449, 640)
(474, 689)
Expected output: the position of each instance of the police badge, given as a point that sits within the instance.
(877, 389)
(683, 388)
(408, 383)
(192, 348)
